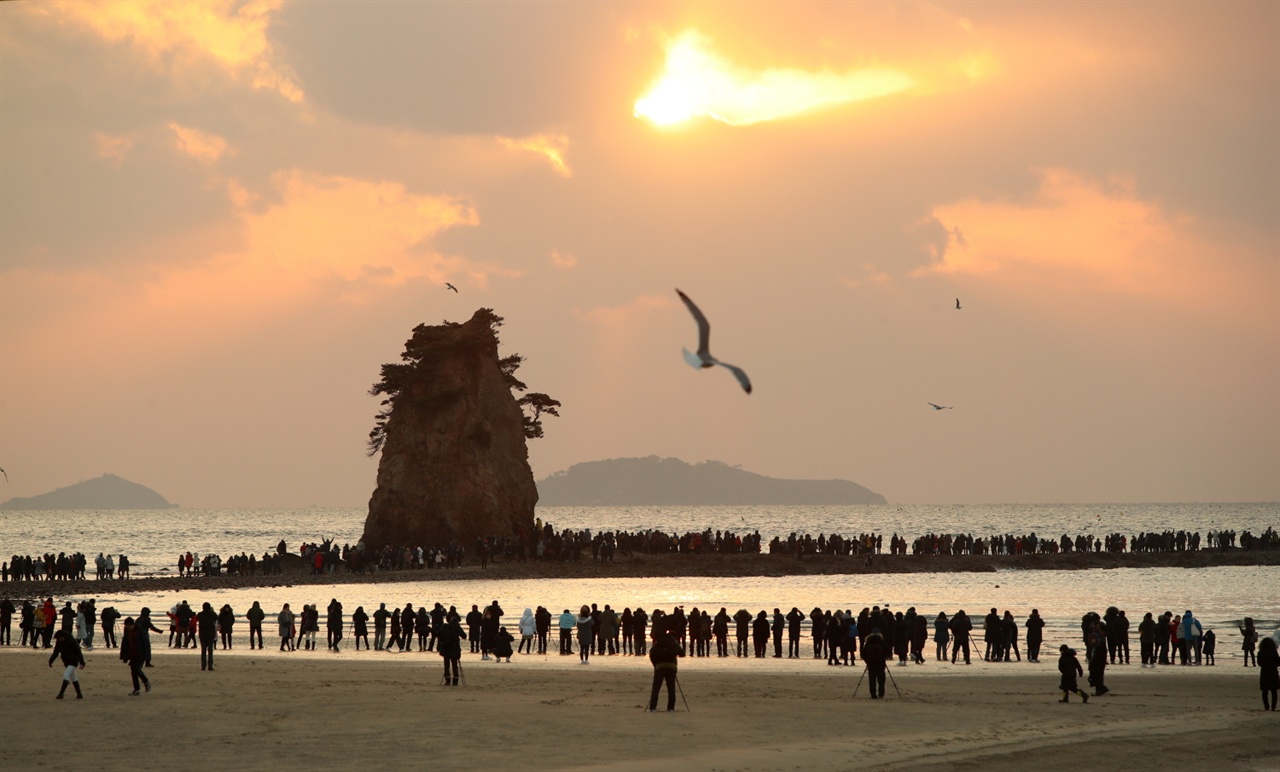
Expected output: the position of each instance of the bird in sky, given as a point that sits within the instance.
(6, 474)
(957, 304)
(939, 407)
(703, 358)
(447, 285)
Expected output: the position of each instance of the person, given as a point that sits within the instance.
(226, 621)
(66, 647)
(1069, 667)
(566, 624)
(608, 631)
(1009, 636)
(528, 628)
(941, 637)
(960, 627)
(502, 644)
(1268, 661)
(131, 655)
(109, 616)
(144, 627)
(991, 636)
(795, 617)
(334, 624)
(474, 620)
(639, 632)
(1210, 647)
(284, 620)
(1098, 656)
(1148, 629)
(207, 621)
(664, 655)
(449, 644)
(585, 625)
(779, 625)
(360, 627)
(743, 631)
(875, 654)
(542, 626)
(1192, 630)
(380, 627)
(760, 634)
(1035, 635)
(1249, 645)
(255, 615)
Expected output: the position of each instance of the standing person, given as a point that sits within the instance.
(255, 615)
(1035, 635)
(778, 627)
(207, 623)
(586, 633)
(360, 627)
(226, 621)
(6, 620)
(449, 645)
(941, 637)
(760, 634)
(380, 627)
(817, 631)
(795, 617)
(640, 623)
(50, 618)
(109, 616)
(72, 657)
(407, 619)
(875, 655)
(1098, 658)
(528, 627)
(1210, 647)
(334, 624)
(1147, 631)
(960, 627)
(145, 628)
(1248, 646)
(664, 655)
(608, 631)
(743, 631)
(474, 620)
(566, 624)
(1009, 631)
(130, 655)
(284, 620)
(542, 626)
(1268, 673)
(1069, 667)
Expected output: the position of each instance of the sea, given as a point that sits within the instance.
(1220, 597)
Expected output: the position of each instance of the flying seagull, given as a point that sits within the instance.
(939, 407)
(703, 358)
(6, 474)
(447, 285)
(957, 304)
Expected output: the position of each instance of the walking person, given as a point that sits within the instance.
(1069, 667)
(67, 648)
(664, 655)
(144, 627)
(131, 655)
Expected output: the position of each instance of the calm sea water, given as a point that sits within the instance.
(1219, 596)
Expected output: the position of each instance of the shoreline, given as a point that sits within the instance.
(664, 566)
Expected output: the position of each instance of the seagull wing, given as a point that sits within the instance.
(739, 374)
(939, 407)
(693, 360)
(704, 329)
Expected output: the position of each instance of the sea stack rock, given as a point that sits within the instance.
(454, 463)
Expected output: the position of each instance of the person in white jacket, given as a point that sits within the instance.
(527, 628)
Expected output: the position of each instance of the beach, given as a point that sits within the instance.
(325, 711)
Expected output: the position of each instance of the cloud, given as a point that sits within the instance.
(553, 147)
(699, 82)
(204, 147)
(112, 148)
(177, 36)
(1080, 233)
(562, 259)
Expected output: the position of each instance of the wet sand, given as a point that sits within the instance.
(640, 566)
(325, 711)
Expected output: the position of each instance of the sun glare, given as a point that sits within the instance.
(699, 82)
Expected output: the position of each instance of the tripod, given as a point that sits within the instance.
(682, 699)
(462, 676)
(891, 679)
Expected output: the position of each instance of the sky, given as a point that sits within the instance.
(217, 220)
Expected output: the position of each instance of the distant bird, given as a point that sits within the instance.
(447, 285)
(703, 358)
(6, 474)
(939, 407)
(957, 304)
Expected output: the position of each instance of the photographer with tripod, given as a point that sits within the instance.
(663, 654)
(875, 652)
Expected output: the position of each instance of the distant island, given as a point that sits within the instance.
(105, 492)
(654, 481)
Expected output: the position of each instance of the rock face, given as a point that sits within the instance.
(454, 463)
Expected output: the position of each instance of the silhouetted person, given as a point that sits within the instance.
(875, 653)
(1035, 635)
(795, 618)
(65, 646)
(449, 644)
(129, 653)
(664, 654)
(1268, 674)
(207, 621)
(1069, 667)
(960, 627)
(255, 615)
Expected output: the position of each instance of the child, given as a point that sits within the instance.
(1210, 644)
(1069, 666)
(67, 648)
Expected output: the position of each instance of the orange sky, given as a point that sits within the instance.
(218, 220)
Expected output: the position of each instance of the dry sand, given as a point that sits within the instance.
(327, 711)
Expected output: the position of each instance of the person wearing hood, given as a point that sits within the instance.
(207, 622)
(566, 624)
(875, 654)
(255, 615)
(1069, 667)
(586, 633)
(226, 624)
(528, 627)
(1190, 631)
